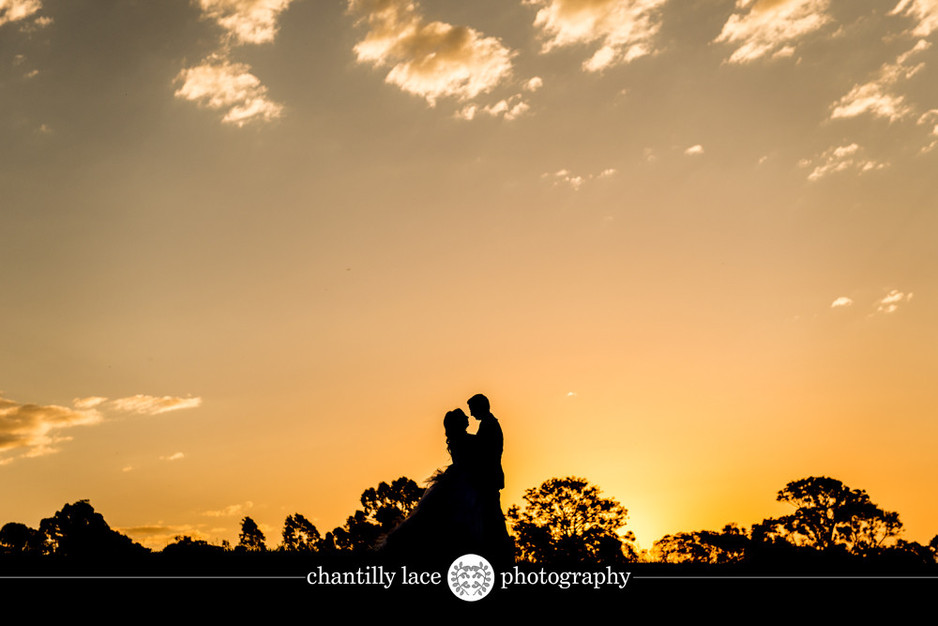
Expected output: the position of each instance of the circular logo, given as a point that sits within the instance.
(470, 577)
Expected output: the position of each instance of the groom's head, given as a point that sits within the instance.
(479, 406)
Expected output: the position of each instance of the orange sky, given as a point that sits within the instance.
(254, 250)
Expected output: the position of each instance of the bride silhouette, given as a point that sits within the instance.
(453, 516)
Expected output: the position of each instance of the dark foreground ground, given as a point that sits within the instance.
(278, 587)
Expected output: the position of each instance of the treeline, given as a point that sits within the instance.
(561, 523)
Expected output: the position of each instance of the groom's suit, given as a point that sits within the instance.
(491, 444)
(496, 544)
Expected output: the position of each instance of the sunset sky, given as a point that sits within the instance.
(253, 250)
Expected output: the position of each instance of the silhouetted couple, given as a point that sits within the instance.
(461, 510)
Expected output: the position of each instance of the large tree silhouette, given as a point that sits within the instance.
(299, 534)
(566, 520)
(77, 531)
(829, 515)
(251, 538)
(705, 546)
(185, 546)
(16, 538)
(383, 508)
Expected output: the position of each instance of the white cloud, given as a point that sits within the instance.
(232, 510)
(930, 118)
(154, 405)
(429, 59)
(89, 402)
(509, 108)
(876, 97)
(924, 11)
(173, 457)
(218, 83)
(842, 301)
(16, 10)
(694, 150)
(771, 28)
(566, 177)
(890, 303)
(28, 430)
(534, 84)
(624, 29)
(839, 159)
(247, 21)
(230, 87)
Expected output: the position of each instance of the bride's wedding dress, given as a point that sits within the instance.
(449, 520)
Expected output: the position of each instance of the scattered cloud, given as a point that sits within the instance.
(534, 84)
(624, 29)
(232, 510)
(29, 430)
(432, 60)
(694, 150)
(230, 87)
(771, 28)
(219, 83)
(890, 303)
(88, 403)
(509, 108)
(127, 468)
(246, 21)
(571, 394)
(839, 159)
(930, 118)
(173, 457)
(17, 10)
(877, 97)
(924, 11)
(158, 536)
(842, 301)
(154, 405)
(566, 177)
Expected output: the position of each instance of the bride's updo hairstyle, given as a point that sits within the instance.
(455, 424)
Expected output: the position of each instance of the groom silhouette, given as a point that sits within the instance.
(490, 480)
(490, 476)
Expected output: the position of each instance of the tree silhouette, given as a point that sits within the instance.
(16, 538)
(706, 546)
(566, 520)
(251, 538)
(78, 531)
(186, 546)
(299, 534)
(830, 515)
(383, 508)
